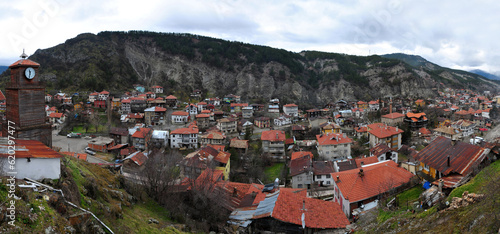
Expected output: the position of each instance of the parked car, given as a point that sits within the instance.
(89, 151)
(74, 135)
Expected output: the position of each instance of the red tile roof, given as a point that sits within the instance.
(141, 133)
(126, 100)
(394, 115)
(184, 131)
(301, 154)
(2, 97)
(383, 131)
(214, 135)
(56, 115)
(463, 156)
(290, 206)
(182, 113)
(202, 116)
(30, 149)
(333, 139)
(138, 158)
(290, 105)
(217, 147)
(377, 178)
(366, 161)
(273, 135)
(170, 97)
(24, 62)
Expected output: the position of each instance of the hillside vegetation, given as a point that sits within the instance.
(183, 62)
(92, 188)
(480, 217)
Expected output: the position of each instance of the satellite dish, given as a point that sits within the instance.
(303, 221)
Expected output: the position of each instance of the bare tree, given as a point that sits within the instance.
(160, 173)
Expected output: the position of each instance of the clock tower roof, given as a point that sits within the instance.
(24, 62)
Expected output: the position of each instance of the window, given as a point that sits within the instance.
(328, 176)
(299, 178)
(426, 167)
(318, 177)
(299, 186)
(328, 182)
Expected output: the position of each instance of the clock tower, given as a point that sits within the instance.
(25, 107)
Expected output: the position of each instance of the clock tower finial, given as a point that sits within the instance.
(23, 56)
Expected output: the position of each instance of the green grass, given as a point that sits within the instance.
(407, 197)
(478, 182)
(92, 129)
(273, 172)
(426, 213)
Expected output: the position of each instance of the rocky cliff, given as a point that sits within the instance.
(183, 62)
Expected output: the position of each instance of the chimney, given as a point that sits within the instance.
(276, 135)
(235, 192)
(276, 183)
(440, 185)
(448, 160)
(361, 173)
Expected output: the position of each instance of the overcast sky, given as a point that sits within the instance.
(456, 34)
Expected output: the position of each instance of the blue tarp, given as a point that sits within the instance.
(427, 185)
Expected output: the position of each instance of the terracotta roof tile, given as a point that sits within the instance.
(320, 214)
(300, 154)
(24, 62)
(273, 135)
(333, 139)
(377, 178)
(383, 131)
(180, 113)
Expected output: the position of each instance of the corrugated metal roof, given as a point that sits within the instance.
(462, 156)
(28, 149)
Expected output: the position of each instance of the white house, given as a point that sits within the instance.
(192, 109)
(157, 89)
(33, 160)
(283, 120)
(334, 146)
(465, 126)
(291, 110)
(184, 137)
(103, 95)
(180, 117)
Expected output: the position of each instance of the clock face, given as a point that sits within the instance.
(29, 73)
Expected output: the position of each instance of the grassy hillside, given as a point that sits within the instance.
(93, 188)
(480, 217)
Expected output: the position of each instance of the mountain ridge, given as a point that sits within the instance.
(184, 62)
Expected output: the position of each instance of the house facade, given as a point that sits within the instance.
(361, 186)
(333, 146)
(381, 133)
(184, 137)
(291, 110)
(273, 143)
(227, 125)
(180, 117)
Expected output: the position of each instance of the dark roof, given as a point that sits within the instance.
(300, 165)
(347, 165)
(462, 156)
(380, 149)
(119, 131)
(323, 167)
